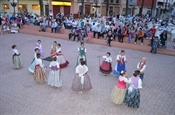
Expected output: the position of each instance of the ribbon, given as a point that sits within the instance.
(82, 79)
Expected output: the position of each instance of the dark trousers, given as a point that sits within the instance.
(139, 38)
(53, 29)
(70, 35)
(98, 33)
(78, 37)
(109, 41)
(120, 38)
(102, 35)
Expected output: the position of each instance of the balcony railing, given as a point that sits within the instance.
(113, 1)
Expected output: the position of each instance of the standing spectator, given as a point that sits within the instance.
(97, 31)
(109, 38)
(163, 38)
(154, 44)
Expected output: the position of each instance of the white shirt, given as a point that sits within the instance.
(107, 59)
(39, 62)
(15, 51)
(123, 78)
(142, 69)
(81, 70)
(97, 29)
(93, 27)
(54, 63)
(82, 49)
(39, 46)
(35, 56)
(74, 24)
(120, 57)
(58, 50)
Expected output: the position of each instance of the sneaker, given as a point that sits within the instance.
(141, 44)
(134, 42)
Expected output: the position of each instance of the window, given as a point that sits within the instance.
(22, 6)
(35, 7)
(111, 1)
(5, 6)
(105, 0)
(117, 1)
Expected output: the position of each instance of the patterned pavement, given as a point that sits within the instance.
(21, 95)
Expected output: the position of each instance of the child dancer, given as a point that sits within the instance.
(106, 67)
(109, 38)
(132, 97)
(142, 66)
(82, 54)
(81, 81)
(39, 73)
(120, 65)
(54, 48)
(54, 77)
(17, 63)
(39, 46)
(119, 90)
(32, 65)
(60, 58)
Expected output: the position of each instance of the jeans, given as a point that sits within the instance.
(142, 76)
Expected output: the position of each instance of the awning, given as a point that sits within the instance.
(61, 3)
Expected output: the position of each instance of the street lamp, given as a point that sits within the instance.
(96, 5)
(13, 4)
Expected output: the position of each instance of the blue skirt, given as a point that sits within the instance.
(118, 69)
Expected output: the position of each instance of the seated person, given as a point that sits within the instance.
(72, 33)
(54, 26)
(6, 28)
(14, 27)
(77, 34)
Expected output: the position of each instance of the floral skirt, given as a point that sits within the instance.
(132, 98)
(39, 75)
(77, 86)
(54, 79)
(118, 95)
(106, 67)
(17, 62)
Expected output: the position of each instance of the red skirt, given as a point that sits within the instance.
(106, 67)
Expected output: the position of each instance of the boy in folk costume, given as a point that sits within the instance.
(142, 66)
(109, 38)
(17, 63)
(120, 65)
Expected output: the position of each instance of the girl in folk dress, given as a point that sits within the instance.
(120, 65)
(39, 73)
(142, 66)
(39, 46)
(60, 58)
(106, 67)
(32, 65)
(119, 90)
(81, 81)
(132, 97)
(54, 78)
(54, 48)
(82, 54)
(17, 63)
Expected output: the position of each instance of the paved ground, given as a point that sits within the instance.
(21, 95)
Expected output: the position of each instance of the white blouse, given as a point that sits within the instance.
(82, 49)
(123, 78)
(120, 57)
(54, 63)
(81, 70)
(142, 69)
(59, 50)
(107, 59)
(35, 56)
(15, 51)
(39, 46)
(39, 62)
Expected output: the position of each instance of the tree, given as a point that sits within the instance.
(126, 13)
(82, 7)
(41, 7)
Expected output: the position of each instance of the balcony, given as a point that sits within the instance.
(113, 1)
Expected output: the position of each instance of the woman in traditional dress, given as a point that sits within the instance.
(32, 65)
(132, 97)
(120, 65)
(17, 62)
(82, 54)
(106, 66)
(54, 77)
(39, 46)
(54, 48)
(39, 73)
(119, 90)
(81, 81)
(60, 58)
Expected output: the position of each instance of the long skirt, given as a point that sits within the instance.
(32, 66)
(54, 79)
(106, 67)
(77, 86)
(39, 75)
(17, 62)
(63, 63)
(118, 95)
(118, 68)
(132, 98)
